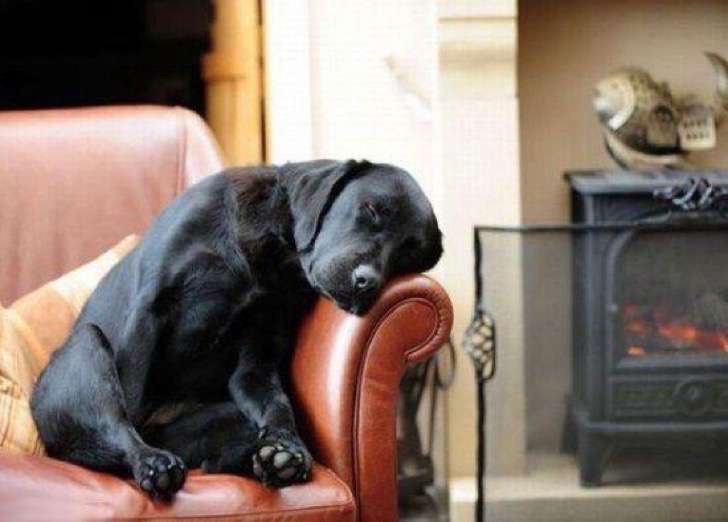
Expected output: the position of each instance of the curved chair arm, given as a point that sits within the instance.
(346, 372)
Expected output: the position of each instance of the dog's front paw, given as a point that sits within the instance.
(281, 459)
(160, 473)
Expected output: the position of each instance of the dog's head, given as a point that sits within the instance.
(358, 224)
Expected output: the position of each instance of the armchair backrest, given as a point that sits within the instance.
(73, 182)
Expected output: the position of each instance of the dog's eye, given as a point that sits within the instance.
(371, 211)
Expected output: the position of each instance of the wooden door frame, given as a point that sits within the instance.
(233, 73)
(258, 81)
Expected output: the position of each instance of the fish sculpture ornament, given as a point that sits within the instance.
(646, 128)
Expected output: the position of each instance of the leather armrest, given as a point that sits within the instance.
(346, 372)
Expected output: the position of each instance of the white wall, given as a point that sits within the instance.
(360, 108)
(479, 119)
(287, 56)
(343, 87)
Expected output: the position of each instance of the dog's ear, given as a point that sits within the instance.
(312, 187)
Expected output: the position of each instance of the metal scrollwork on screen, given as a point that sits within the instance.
(695, 194)
(479, 344)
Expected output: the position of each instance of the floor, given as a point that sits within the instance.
(430, 508)
(690, 490)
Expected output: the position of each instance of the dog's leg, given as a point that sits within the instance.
(216, 437)
(281, 458)
(133, 357)
(79, 408)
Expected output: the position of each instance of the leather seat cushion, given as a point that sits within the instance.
(40, 488)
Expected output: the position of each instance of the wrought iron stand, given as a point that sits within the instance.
(479, 344)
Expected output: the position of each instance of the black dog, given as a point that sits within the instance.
(179, 356)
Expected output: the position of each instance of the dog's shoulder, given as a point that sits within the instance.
(252, 186)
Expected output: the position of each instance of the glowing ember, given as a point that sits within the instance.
(657, 326)
(638, 327)
(636, 351)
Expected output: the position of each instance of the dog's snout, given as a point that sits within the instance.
(365, 278)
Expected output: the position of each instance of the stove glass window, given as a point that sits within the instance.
(672, 295)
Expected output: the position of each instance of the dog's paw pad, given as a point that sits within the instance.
(161, 474)
(266, 451)
(281, 458)
(281, 463)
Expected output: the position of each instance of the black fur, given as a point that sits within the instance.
(178, 358)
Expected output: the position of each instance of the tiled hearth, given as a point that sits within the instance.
(696, 492)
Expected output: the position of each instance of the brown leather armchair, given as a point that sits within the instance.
(74, 182)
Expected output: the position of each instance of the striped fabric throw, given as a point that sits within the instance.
(30, 329)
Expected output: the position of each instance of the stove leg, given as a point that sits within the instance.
(594, 451)
(569, 441)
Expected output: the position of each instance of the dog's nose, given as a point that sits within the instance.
(365, 278)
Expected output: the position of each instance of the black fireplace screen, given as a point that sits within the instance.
(627, 320)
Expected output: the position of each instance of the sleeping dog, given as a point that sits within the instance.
(178, 359)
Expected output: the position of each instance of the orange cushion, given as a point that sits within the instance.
(30, 329)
